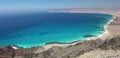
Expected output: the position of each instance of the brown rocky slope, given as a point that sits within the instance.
(62, 52)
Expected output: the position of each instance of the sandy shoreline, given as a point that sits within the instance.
(106, 33)
(105, 45)
(102, 36)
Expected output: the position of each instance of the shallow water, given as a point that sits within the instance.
(37, 29)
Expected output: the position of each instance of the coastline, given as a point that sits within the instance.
(107, 42)
(50, 45)
(102, 36)
(105, 30)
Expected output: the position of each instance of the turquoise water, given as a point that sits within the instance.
(37, 29)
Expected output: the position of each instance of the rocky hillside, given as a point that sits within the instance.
(72, 51)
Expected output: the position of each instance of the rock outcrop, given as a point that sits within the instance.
(7, 52)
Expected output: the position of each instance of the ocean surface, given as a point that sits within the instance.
(38, 29)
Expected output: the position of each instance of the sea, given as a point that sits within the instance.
(38, 29)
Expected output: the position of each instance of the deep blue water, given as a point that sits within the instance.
(37, 29)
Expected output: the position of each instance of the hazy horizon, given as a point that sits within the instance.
(43, 5)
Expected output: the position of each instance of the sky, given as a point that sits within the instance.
(56, 4)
